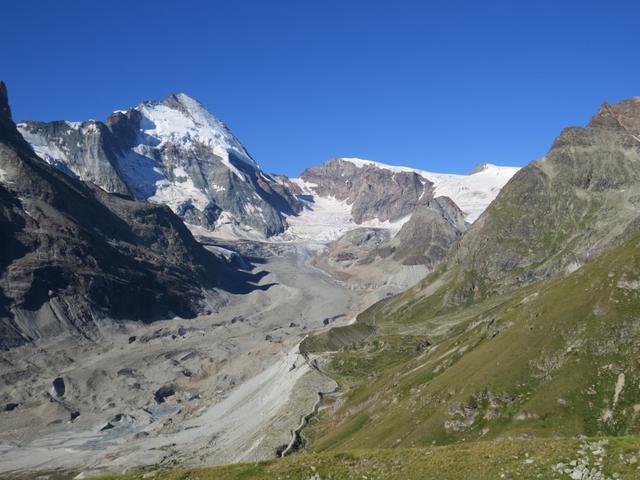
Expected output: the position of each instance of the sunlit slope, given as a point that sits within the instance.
(557, 213)
(557, 358)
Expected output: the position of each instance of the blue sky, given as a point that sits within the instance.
(439, 85)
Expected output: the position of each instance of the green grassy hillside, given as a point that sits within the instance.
(557, 358)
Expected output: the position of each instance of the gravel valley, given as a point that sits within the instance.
(176, 390)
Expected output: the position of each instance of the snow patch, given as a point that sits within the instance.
(325, 219)
(175, 193)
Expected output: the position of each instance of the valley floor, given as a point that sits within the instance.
(241, 387)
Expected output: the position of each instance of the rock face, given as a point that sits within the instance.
(172, 152)
(73, 254)
(559, 212)
(83, 150)
(373, 192)
(428, 236)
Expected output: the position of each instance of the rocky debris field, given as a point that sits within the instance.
(178, 389)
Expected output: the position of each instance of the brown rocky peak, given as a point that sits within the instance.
(605, 118)
(625, 115)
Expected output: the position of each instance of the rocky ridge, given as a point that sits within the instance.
(559, 212)
(388, 193)
(372, 192)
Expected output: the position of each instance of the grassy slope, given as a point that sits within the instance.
(542, 361)
(526, 459)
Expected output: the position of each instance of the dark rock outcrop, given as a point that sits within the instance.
(58, 387)
(428, 236)
(163, 393)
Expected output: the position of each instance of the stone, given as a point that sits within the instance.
(58, 387)
(163, 393)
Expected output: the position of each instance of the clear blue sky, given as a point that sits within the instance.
(440, 85)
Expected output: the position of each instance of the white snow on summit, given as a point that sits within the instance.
(190, 122)
(182, 121)
(472, 193)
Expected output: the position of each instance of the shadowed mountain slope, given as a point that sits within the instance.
(72, 254)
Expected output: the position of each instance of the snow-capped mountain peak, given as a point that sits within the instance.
(175, 152)
(180, 118)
